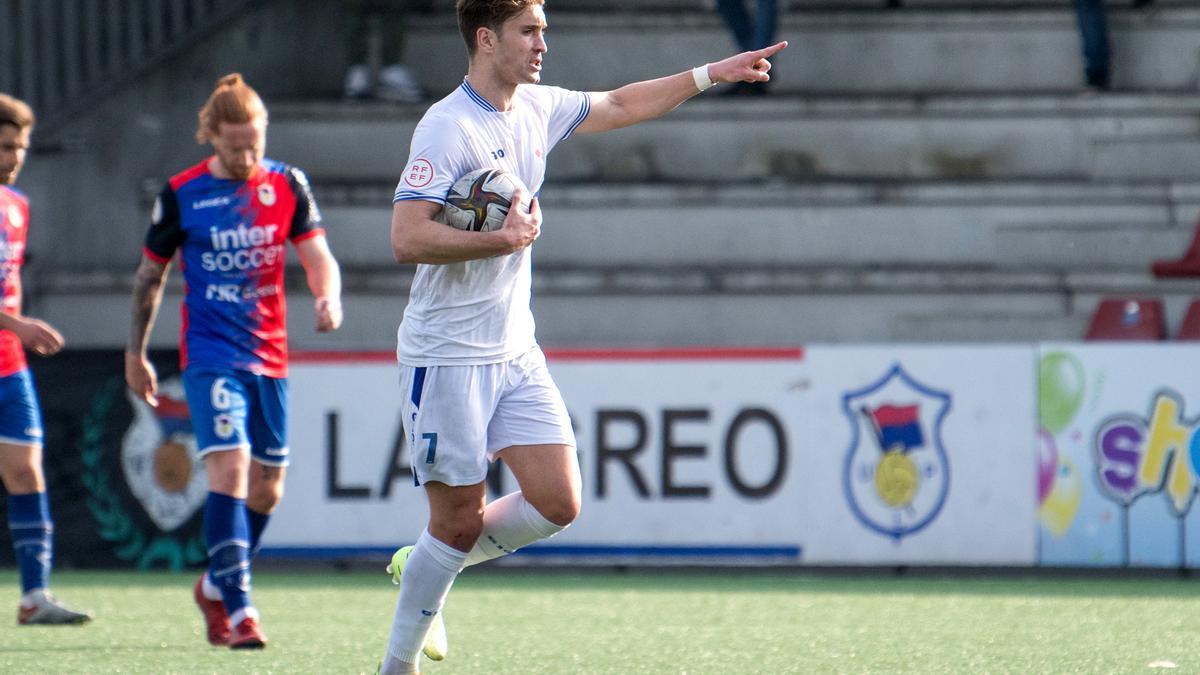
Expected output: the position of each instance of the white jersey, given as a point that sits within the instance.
(477, 312)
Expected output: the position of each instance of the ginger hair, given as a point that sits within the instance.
(231, 101)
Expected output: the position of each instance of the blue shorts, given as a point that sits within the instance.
(20, 415)
(233, 409)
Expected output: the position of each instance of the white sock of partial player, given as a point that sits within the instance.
(509, 523)
(430, 571)
(242, 614)
(209, 589)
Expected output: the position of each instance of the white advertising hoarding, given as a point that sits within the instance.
(856, 455)
(963, 419)
(687, 452)
(1118, 455)
(343, 492)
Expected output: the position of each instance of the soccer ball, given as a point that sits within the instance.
(479, 201)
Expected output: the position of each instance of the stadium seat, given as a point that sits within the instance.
(1128, 319)
(1190, 328)
(1187, 266)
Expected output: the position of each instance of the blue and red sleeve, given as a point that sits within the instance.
(165, 235)
(306, 219)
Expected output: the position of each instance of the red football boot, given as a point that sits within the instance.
(216, 619)
(247, 635)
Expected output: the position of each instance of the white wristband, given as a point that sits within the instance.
(700, 76)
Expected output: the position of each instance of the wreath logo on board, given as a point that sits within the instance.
(159, 469)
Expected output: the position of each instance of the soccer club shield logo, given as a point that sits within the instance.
(158, 455)
(896, 474)
(266, 194)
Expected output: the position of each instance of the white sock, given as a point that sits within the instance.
(247, 612)
(31, 598)
(509, 523)
(430, 571)
(208, 589)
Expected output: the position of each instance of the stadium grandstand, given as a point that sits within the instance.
(929, 173)
(928, 301)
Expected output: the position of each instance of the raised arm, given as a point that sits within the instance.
(418, 238)
(148, 285)
(324, 281)
(648, 99)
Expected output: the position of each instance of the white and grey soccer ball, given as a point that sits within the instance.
(479, 201)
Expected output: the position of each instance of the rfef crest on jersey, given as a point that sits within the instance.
(266, 194)
(896, 474)
(158, 454)
(419, 174)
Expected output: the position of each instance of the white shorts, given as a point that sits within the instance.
(459, 417)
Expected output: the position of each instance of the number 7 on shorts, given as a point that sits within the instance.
(432, 438)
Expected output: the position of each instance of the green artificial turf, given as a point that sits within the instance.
(533, 621)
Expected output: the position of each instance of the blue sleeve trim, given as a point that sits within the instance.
(583, 113)
(416, 196)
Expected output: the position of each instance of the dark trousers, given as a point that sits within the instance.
(1093, 32)
(750, 33)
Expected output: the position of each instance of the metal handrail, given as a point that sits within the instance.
(64, 56)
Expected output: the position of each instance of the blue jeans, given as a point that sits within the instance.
(750, 33)
(1093, 31)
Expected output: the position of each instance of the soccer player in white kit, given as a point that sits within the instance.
(474, 382)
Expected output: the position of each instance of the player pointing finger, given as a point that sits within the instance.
(475, 385)
(745, 67)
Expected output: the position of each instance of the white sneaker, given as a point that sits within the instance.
(48, 610)
(436, 642)
(397, 84)
(357, 83)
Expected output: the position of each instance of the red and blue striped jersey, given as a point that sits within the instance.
(14, 222)
(232, 237)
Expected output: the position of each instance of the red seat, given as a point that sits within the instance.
(1187, 266)
(1190, 328)
(1128, 319)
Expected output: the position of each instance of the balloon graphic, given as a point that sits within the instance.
(1058, 511)
(1060, 390)
(1047, 464)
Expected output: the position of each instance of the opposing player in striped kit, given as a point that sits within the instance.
(230, 218)
(475, 386)
(29, 518)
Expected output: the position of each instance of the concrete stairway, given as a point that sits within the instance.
(923, 49)
(934, 173)
(1012, 225)
(799, 138)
